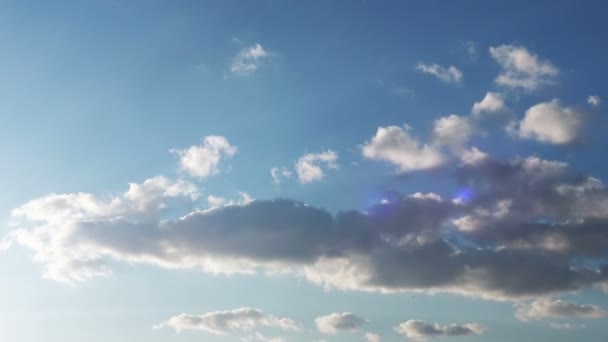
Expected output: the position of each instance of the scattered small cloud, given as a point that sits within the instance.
(224, 322)
(472, 49)
(450, 74)
(422, 331)
(204, 160)
(594, 100)
(491, 103)
(278, 174)
(546, 308)
(521, 69)
(402, 91)
(249, 60)
(336, 322)
(311, 167)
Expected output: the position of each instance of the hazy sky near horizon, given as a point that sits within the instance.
(303, 171)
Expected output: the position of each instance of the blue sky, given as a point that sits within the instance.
(290, 171)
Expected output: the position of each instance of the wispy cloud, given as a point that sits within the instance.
(249, 60)
(450, 74)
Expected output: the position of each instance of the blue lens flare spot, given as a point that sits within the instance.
(464, 195)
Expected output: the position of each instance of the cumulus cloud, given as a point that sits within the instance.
(522, 69)
(397, 146)
(547, 308)
(450, 74)
(369, 337)
(594, 100)
(422, 331)
(204, 160)
(224, 322)
(527, 223)
(311, 167)
(491, 103)
(550, 122)
(336, 322)
(453, 131)
(473, 156)
(249, 60)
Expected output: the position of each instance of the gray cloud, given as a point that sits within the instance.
(422, 331)
(523, 228)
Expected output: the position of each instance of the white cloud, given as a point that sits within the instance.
(204, 160)
(453, 131)
(249, 60)
(142, 200)
(473, 156)
(491, 103)
(278, 174)
(224, 322)
(336, 322)
(428, 196)
(450, 74)
(395, 145)
(594, 100)
(551, 123)
(217, 201)
(59, 215)
(522, 69)
(369, 337)
(422, 331)
(547, 308)
(311, 167)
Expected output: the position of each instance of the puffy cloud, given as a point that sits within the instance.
(249, 60)
(453, 130)
(310, 167)
(422, 331)
(369, 337)
(549, 122)
(279, 174)
(594, 100)
(397, 146)
(527, 223)
(450, 74)
(473, 156)
(204, 160)
(491, 103)
(547, 308)
(223, 322)
(522, 69)
(336, 322)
